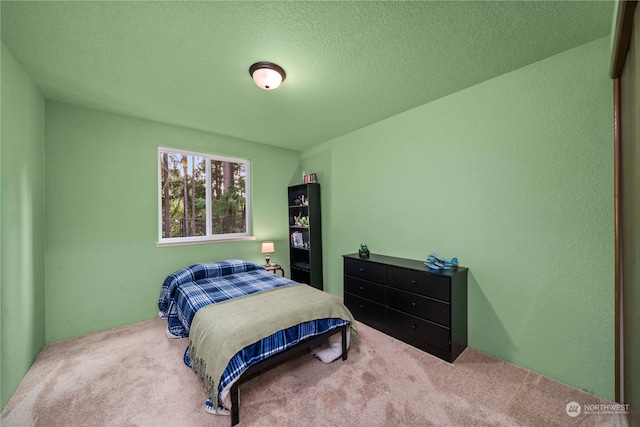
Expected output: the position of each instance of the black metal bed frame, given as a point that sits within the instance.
(277, 359)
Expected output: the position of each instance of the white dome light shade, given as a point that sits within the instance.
(266, 75)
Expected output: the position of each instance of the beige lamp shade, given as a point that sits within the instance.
(267, 248)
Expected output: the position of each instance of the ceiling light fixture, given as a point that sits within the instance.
(267, 75)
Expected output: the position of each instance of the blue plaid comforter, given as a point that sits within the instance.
(186, 291)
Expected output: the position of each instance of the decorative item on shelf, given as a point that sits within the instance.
(296, 240)
(363, 252)
(301, 221)
(309, 178)
(301, 201)
(436, 262)
(267, 248)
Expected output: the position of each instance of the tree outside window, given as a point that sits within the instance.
(202, 196)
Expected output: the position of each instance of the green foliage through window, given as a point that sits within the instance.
(202, 195)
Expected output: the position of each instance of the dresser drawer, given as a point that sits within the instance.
(420, 306)
(419, 329)
(364, 310)
(365, 270)
(362, 288)
(420, 282)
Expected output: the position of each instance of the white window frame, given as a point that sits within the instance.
(209, 237)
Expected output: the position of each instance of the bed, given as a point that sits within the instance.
(242, 320)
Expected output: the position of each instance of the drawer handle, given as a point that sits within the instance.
(413, 304)
(413, 282)
(361, 305)
(414, 326)
(362, 270)
(362, 288)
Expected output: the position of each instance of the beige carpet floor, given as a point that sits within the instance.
(134, 376)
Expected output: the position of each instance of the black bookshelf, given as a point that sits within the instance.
(305, 234)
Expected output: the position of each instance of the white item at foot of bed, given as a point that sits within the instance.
(332, 349)
(170, 335)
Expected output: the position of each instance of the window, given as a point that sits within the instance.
(202, 197)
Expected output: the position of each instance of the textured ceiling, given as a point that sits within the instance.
(348, 64)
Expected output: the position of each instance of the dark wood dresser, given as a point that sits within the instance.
(405, 299)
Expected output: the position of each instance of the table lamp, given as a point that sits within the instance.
(267, 248)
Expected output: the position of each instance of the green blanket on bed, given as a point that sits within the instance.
(219, 331)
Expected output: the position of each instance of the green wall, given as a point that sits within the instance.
(514, 176)
(103, 268)
(22, 224)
